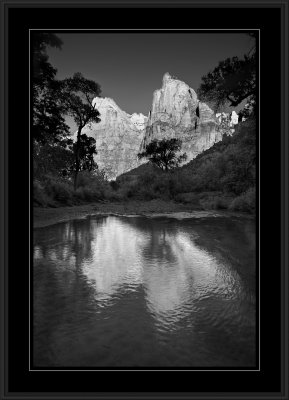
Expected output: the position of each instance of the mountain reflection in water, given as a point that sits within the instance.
(119, 291)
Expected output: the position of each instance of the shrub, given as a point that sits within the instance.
(54, 190)
(188, 198)
(84, 193)
(91, 179)
(127, 191)
(212, 203)
(112, 195)
(162, 186)
(92, 186)
(245, 202)
(146, 193)
(215, 201)
(40, 197)
(59, 190)
(114, 185)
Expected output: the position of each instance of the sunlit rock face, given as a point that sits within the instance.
(177, 113)
(118, 137)
(139, 120)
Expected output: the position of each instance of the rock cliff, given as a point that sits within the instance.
(176, 112)
(118, 137)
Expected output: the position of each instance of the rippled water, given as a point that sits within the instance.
(119, 291)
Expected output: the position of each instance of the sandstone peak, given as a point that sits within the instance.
(169, 79)
(172, 83)
(104, 102)
(177, 112)
(166, 78)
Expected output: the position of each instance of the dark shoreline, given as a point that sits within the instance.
(48, 216)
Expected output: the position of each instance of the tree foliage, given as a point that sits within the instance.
(164, 153)
(48, 115)
(48, 121)
(56, 157)
(77, 94)
(51, 159)
(43, 71)
(86, 152)
(231, 82)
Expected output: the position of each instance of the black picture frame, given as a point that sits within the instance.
(271, 17)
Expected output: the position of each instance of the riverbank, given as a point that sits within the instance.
(155, 208)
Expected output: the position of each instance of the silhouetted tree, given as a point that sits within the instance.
(52, 159)
(48, 122)
(87, 152)
(77, 94)
(163, 153)
(43, 71)
(231, 82)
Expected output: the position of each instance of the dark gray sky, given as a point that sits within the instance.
(130, 66)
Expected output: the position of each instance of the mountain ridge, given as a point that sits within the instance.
(176, 112)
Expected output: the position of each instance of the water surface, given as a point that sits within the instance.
(142, 292)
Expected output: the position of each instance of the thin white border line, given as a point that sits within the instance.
(29, 100)
(69, 31)
(145, 370)
(259, 101)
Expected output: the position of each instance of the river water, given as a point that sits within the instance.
(145, 292)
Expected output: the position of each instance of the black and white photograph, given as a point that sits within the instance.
(144, 196)
(145, 179)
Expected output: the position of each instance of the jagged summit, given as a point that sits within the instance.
(171, 99)
(104, 101)
(170, 80)
(166, 78)
(104, 104)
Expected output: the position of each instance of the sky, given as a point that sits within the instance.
(130, 66)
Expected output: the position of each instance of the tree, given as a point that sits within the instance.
(77, 94)
(86, 153)
(42, 69)
(231, 82)
(163, 153)
(53, 159)
(48, 122)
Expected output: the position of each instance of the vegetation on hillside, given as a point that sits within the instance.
(222, 177)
